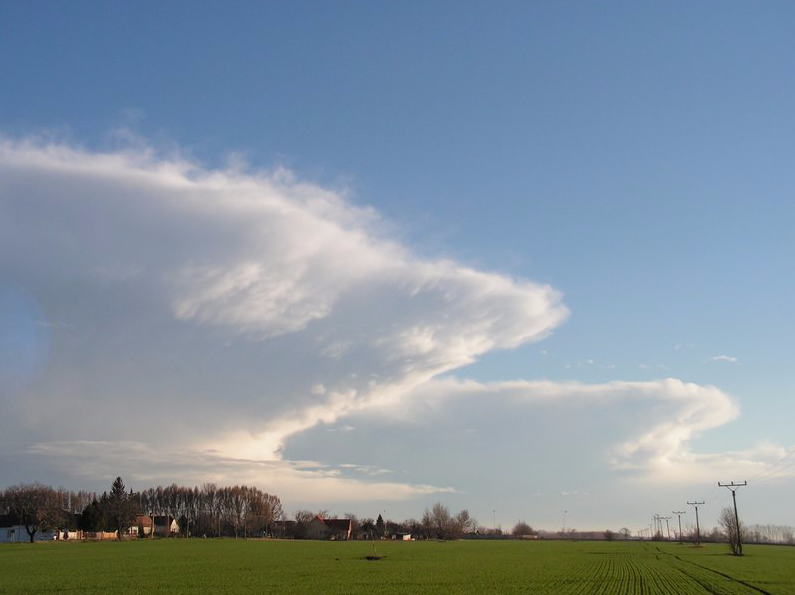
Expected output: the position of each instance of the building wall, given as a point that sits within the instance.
(18, 533)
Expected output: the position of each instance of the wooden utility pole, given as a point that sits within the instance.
(733, 488)
(698, 529)
(679, 514)
(667, 526)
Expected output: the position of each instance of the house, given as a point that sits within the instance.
(337, 529)
(165, 526)
(143, 526)
(320, 528)
(401, 536)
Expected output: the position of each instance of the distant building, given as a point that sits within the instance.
(401, 536)
(317, 528)
(165, 526)
(337, 529)
(143, 525)
(12, 531)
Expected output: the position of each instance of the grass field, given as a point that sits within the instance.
(237, 566)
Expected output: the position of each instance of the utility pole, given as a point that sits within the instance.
(667, 527)
(698, 529)
(679, 514)
(733, 487)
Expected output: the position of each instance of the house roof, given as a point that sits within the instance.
(163, 520)
(143, 520)
(8, 520)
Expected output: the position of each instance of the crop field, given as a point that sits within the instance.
(238, 566)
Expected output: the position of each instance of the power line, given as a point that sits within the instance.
(774, 471)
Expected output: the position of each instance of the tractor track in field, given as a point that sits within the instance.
(718, 572)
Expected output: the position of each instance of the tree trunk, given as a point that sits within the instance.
(31, 534)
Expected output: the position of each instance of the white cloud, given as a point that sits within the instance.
(304, 482)
(724, 358)
(223, 311)
(216, 316)
(640, 430)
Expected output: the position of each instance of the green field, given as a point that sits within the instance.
(237, 566)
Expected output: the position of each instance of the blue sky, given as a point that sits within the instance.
(635, 158)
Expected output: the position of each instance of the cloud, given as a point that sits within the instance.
(724, 358)
(677, 411)
(223, 310)
(307, 482)
(639, 431)
(177, 323)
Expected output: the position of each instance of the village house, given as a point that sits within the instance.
(165, 526)
(143, 526)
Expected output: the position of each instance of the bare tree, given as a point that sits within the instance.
(734, 532)
(441, 520)
(35, 506)
(464, 523)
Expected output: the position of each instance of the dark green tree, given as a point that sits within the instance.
(380, 528)
(91, 518)
(120, 508)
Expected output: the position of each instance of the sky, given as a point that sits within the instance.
(529, 259)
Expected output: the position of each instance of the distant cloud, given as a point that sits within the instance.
(56, 325)
(306, 481)
(640, 431)
(345, 428)
(724, 358)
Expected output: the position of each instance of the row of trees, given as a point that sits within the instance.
(209, 510)
(212, 510)
(245, 511)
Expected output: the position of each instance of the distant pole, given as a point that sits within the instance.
(494, 521)
(667, 527)
(565, 512)
(679, 514)
(733, 488)
(698, 529)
